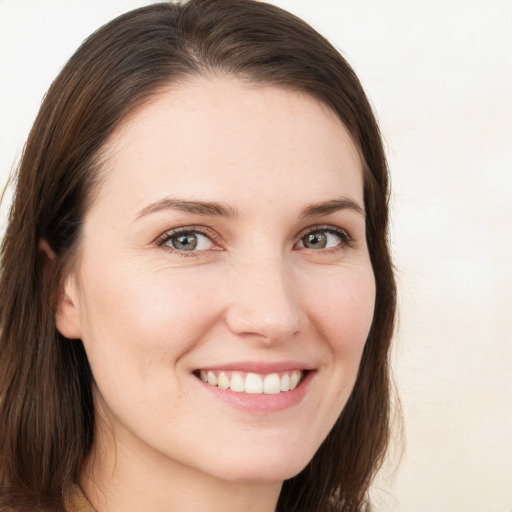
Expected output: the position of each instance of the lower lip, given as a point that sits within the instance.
(262, 403)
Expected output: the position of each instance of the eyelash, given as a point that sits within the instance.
(345, 239)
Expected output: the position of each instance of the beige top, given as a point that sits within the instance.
(77, 502)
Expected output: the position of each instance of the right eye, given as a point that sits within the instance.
(186, 241)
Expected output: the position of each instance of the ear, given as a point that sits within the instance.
(67, 319)
(68, 312)
(45, 248)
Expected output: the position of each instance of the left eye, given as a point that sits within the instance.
(322, 239)
(188, 241)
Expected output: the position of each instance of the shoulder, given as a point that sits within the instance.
(76, 501)
(24, 509)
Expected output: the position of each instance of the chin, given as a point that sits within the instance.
(266, 466)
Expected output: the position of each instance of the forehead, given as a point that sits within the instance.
(229, 133)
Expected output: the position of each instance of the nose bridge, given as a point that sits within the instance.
(263, 298)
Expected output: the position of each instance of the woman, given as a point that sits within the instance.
(197, 297)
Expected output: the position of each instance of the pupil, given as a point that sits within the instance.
(316, 240)
(185, 241)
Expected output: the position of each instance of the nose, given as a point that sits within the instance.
(264, 302)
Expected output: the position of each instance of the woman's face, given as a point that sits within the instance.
(226, 243)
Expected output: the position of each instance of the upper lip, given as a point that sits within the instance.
(260, 367)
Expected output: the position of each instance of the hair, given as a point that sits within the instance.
(46, 406)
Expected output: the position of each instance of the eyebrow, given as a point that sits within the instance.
(210, 209)
(332, 206)
(216, 209)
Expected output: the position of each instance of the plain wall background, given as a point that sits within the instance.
(440, 77)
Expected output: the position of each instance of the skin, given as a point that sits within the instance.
(150, 315)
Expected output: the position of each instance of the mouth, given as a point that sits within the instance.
(274, 383)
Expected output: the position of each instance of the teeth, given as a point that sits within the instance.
(252, 383)
(223, 381)
(272, 384)
(294, 379)
(237, 383)
(285, 382)
(212, 379)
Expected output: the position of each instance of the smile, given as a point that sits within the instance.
(253, 383)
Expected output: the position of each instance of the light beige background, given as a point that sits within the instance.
(440, 77)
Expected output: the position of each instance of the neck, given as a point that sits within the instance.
(115, 478)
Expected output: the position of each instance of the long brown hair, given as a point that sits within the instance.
(46, 408)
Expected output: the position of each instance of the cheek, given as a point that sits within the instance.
(144, 319)
(344, 313)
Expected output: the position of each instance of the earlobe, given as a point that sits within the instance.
(67, 318)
